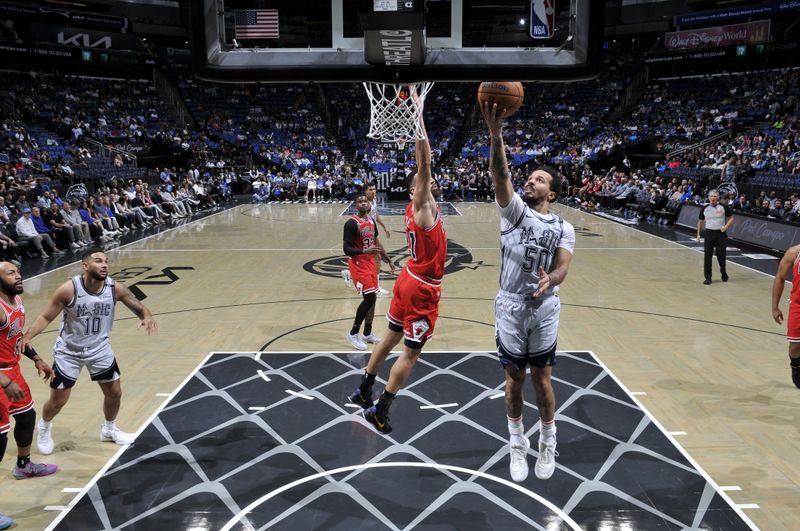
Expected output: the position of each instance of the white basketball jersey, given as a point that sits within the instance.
(88, 319)
(528, 240)
(373, 208)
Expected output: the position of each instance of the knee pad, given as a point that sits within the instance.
(24, 424)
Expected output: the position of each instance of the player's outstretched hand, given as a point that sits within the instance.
(777, 314)
(493, 116)
(149, 325)
(544, 282)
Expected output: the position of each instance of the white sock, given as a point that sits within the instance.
(109, 424)
(548, 432)
(46, 423)
(516, 430)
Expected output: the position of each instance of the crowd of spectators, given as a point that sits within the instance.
(307, 142)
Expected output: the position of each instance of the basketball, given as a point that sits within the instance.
(507, 95)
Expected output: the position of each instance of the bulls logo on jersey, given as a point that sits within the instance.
(15, 328)
(419, 329)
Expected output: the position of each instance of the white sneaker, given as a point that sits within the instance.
(519, 460)
(116, 435)
(44, 439)
(356, 341)
(382, 292)
(346, 277)
(546, 464)
(372, 338)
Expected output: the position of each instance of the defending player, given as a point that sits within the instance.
(415, 304)
(15, 397)
(362, 246)
(789, 263)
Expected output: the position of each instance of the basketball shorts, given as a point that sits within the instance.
(364, 274)
(526, 329)
(67, 365)
(793, 323)
(414, 308)
(7, 407)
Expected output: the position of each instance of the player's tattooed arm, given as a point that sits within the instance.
(498, 164)
(126, 297)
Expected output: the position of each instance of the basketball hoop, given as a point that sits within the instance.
(395, 115)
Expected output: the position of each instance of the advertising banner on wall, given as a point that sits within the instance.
(750, 32)
(736, 12)
(83, 38)
(758, 231)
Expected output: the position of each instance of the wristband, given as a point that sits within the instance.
(30, 353)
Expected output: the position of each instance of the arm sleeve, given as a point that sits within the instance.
(728, 211)
(349, 238)
(703, 212)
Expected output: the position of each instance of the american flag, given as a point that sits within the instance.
(256, 23)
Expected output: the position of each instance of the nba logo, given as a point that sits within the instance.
(543, 16)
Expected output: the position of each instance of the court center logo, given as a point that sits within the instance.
(458, 258)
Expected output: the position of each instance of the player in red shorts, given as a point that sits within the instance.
(790, 263)
(362, 245)
(16, 400)
(415, 303)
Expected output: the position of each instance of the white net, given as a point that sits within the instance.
(396, 111)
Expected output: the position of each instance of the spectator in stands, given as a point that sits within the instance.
(8, 249)
(71, 215)
(96, 228)
(63, 232)
(776, 211)
(43, 229)
(133, 216)
(5, 214)
(168, 202)
(742, 204)
(26, 232)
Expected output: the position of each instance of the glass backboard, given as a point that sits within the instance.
(461, 40)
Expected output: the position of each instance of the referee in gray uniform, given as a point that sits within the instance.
(717, 219)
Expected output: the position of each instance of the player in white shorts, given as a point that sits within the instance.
(536, 248)
(87, 302)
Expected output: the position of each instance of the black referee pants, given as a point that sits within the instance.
(716, 241)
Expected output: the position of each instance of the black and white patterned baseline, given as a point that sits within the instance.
(268, 441)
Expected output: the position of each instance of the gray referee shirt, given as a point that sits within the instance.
(715, 216)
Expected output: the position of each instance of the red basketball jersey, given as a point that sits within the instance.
(366, 238)
(428, 247)
(795, 294)
(11, 333)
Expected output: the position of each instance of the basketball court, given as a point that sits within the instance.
(246, 441)
(667, 418)
(675, 405)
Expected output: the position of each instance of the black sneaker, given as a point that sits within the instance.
(360, 400)
(707, 281)
(795, 365)
(378, 419)
(724, 277)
